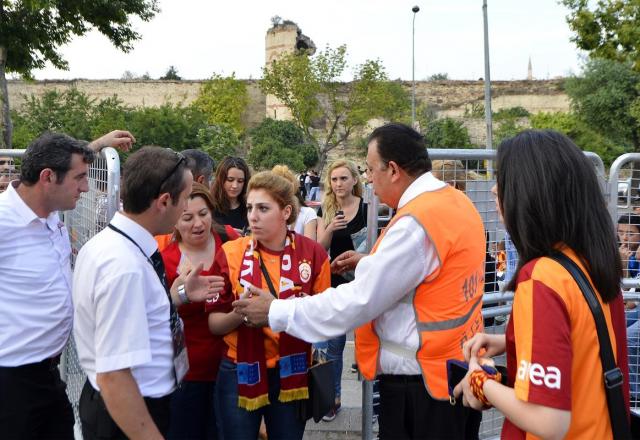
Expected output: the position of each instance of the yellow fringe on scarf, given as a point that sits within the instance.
(294, 394)
(253, 404)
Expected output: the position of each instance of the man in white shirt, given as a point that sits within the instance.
(128, 335)
(410, 297)
(35, 268)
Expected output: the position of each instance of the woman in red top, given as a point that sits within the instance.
(197, 238)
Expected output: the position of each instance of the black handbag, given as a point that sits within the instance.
(322, 392)
(613, 378)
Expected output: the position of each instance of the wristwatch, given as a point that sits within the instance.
(182, 294)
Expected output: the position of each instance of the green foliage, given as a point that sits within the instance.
(286, 133)
(506, 129)
(275, 141)
(32, 30)
(171, 74)
(475, 110)
(438, 77)
(610, 30)
(446, 133)
(584, 137)
(73, 113)
(218, 141)
(311, 89)
(510, 113)
(66, 112)
(223, 100)
(602, 98)
(265, 156)
(169, 125)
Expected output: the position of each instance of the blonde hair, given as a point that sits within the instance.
(285, 171)
(330, 202)
(279, 188)
(454, 173)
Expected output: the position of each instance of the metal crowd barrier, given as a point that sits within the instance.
(92, 213)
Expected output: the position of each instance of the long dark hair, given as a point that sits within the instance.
(549, 194)
(220, 198)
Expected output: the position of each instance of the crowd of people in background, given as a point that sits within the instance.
(197, 308)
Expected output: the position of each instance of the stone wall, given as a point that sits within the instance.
(447, 98)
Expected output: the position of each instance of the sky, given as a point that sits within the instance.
(202, 37)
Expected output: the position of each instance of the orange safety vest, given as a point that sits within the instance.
(448, 302)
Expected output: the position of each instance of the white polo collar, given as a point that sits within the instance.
(25, 213)
(426, 182)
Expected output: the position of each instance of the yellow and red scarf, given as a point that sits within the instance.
(295, 354)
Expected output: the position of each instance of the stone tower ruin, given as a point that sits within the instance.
(282, 38)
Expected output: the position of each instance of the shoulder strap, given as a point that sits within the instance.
(267, 278)
(613, 378)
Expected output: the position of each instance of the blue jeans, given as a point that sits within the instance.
(313, 195)
(193, 414)
(237, 423)
(633, 344)
(334, 353)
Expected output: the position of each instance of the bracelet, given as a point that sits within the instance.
(476, 382)
(182, 294)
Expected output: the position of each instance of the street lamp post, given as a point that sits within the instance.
(415, 10)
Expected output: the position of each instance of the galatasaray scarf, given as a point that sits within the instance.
(295, 354)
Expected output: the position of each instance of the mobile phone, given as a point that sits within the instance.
(340, 212)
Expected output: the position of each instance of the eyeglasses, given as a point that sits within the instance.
(181, 159)
(6, 162)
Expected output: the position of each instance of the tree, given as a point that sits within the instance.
(610, 30)
(171, 75)
(446, 133)
(274, 142)
(310, 88)
(219, 141)
(583, 136)
(602, 98)
(438, 77)
(33, 30)
(223, 100)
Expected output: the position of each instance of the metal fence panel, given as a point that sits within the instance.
(624, 207)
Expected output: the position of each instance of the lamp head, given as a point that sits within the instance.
(415, 9)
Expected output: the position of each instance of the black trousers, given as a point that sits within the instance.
(408, 412)
(34, 403)
(97, 423)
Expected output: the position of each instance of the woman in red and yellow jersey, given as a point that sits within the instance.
(264, 373)
(551, 201)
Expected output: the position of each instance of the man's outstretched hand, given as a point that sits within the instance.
(254, 307)
(346, 261)
(120, 139)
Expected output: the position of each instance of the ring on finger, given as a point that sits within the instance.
(245, 319)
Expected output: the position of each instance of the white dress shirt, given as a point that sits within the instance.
(122, 310)
(36, 312)
(382, 290)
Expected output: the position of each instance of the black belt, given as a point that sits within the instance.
(401, 378)
(49, 363)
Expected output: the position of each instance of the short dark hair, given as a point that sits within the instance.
(630, 219)
(200, 163)
(149, 172)
(403, 145)
(54, 151)
(549, 194)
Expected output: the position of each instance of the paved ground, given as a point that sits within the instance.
(348, 423)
